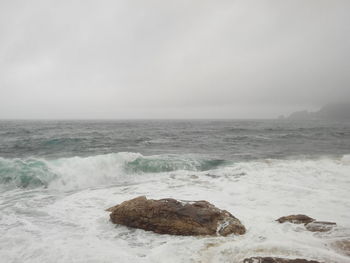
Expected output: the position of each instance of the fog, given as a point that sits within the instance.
(171, 59)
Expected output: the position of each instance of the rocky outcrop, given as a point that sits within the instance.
(335, 111)
(296, 219)
(277, 260)
(310, 223)
(170, 216)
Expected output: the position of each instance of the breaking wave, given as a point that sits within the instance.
(160, 164)
(80, 172)
(25, 173)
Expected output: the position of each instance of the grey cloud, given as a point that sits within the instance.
(171, 59)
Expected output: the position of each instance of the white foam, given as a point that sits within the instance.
(54, 226)
(81, 172)
(346, 159)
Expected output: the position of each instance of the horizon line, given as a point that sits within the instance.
(126, 119)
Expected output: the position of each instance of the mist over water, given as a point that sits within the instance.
(161, 59)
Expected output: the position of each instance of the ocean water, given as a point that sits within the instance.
(58, 177)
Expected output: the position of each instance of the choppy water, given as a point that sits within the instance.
(57, 177)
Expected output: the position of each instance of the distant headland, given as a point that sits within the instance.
(339, 111)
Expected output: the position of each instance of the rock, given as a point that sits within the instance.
(320, 226)
(335, 111)
(310, 223)
(277, 260)
(170, 216)
(343, 246)
(296, 219)
(111, 209)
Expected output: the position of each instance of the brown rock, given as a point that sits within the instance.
(296, 219)
(277, 260)
(310, 223)
(111, 209)
(320, 226)
(170, 216)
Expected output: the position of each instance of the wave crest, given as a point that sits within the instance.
(25, 173)
(158, 164)
(81, 172)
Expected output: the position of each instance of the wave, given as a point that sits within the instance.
(158, 164)
(61, 141)
(80, 172)
(25, 173)
(247, 138)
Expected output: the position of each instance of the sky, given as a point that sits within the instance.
(135, 59)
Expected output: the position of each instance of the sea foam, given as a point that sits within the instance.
(41, 224)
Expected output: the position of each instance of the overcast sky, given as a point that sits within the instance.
(172, 59)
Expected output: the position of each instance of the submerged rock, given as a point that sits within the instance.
(277, 260)
(296, 219)
(343, 246)
(170, 216)
(320, 226)
(310, 223)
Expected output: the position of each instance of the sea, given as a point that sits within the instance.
(57, 178)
